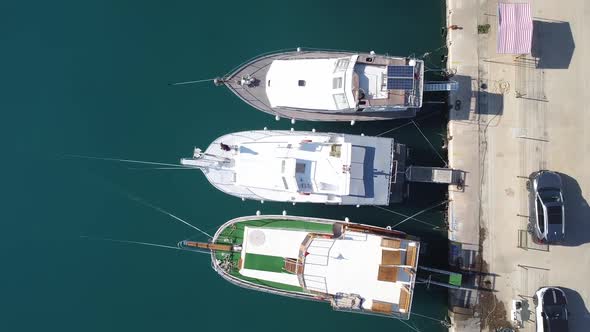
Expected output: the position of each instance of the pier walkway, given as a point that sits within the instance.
(511, 116)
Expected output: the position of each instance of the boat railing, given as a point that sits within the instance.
(288, 50)
(243, 63)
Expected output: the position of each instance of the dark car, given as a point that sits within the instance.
(551, 311)
(549, 216)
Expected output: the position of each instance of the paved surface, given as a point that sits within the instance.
(533, 114)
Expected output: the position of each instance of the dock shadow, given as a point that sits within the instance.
(579, 317)
(553, 44)
(577, 213)
(488, 102)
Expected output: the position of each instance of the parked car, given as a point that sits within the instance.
(551, 312)
(549, 215)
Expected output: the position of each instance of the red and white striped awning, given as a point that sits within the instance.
(515, 28)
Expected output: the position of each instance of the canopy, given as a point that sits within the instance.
(515, 28)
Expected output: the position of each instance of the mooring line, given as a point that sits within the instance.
(138, 243)
(124, 160)
(404, 215)
(396, 128)
(420, 212)
(442, 322)
(428, 141)
(407, 123)
(139, 200)
(193, 82)
(408, 325)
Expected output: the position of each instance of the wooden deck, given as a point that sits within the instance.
(391, 257)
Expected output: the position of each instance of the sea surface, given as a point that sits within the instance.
(92, 78)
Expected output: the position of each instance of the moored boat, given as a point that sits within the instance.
(304, 166)
(354, 267)
(324, 85)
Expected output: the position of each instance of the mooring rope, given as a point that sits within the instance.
(420, 212)
(428, 141)
(406, 216)
(140, 243)
(192, 82)
(408, 325)
(139, 200)
(407, 123)
(125, 160)
(443, 322)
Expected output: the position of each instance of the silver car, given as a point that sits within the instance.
(549, 218)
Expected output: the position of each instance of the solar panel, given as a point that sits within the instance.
(400, 83)
(400, 71)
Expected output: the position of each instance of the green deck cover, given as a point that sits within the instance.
(455, 279)
(235, 235)
(264, 263)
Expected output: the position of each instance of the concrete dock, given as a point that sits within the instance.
(512, 116)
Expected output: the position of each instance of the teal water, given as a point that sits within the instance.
(90, 77)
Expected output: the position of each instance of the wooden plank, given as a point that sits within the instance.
(291, 265)
(404, 299)
(411, 256)
(387, 273)
(391, 243)
(391, 257)
(384, 307)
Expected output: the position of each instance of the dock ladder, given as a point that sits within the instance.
(441, 86)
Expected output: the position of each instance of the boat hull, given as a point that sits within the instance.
(255, 95)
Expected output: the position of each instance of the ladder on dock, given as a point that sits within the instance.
(433, 175)
(442, 278)
(441, 86)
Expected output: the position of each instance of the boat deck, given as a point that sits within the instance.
(297, 251)
(374, 170)
(255, 94)
(234, 234)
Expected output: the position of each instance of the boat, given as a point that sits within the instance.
(304, 167)
(354, 267)
(323, 85)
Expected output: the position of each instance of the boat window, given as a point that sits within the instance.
(283, 166)
(300, 168)
(540, 216)
(285, 183)
(337, 83)
(301, 83)
(554, 215)
(550, 195)
(268, 83)
(340, 101)
(341, 65)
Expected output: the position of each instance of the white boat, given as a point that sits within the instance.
(304, 167)
(320, 85)
(356, 268)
